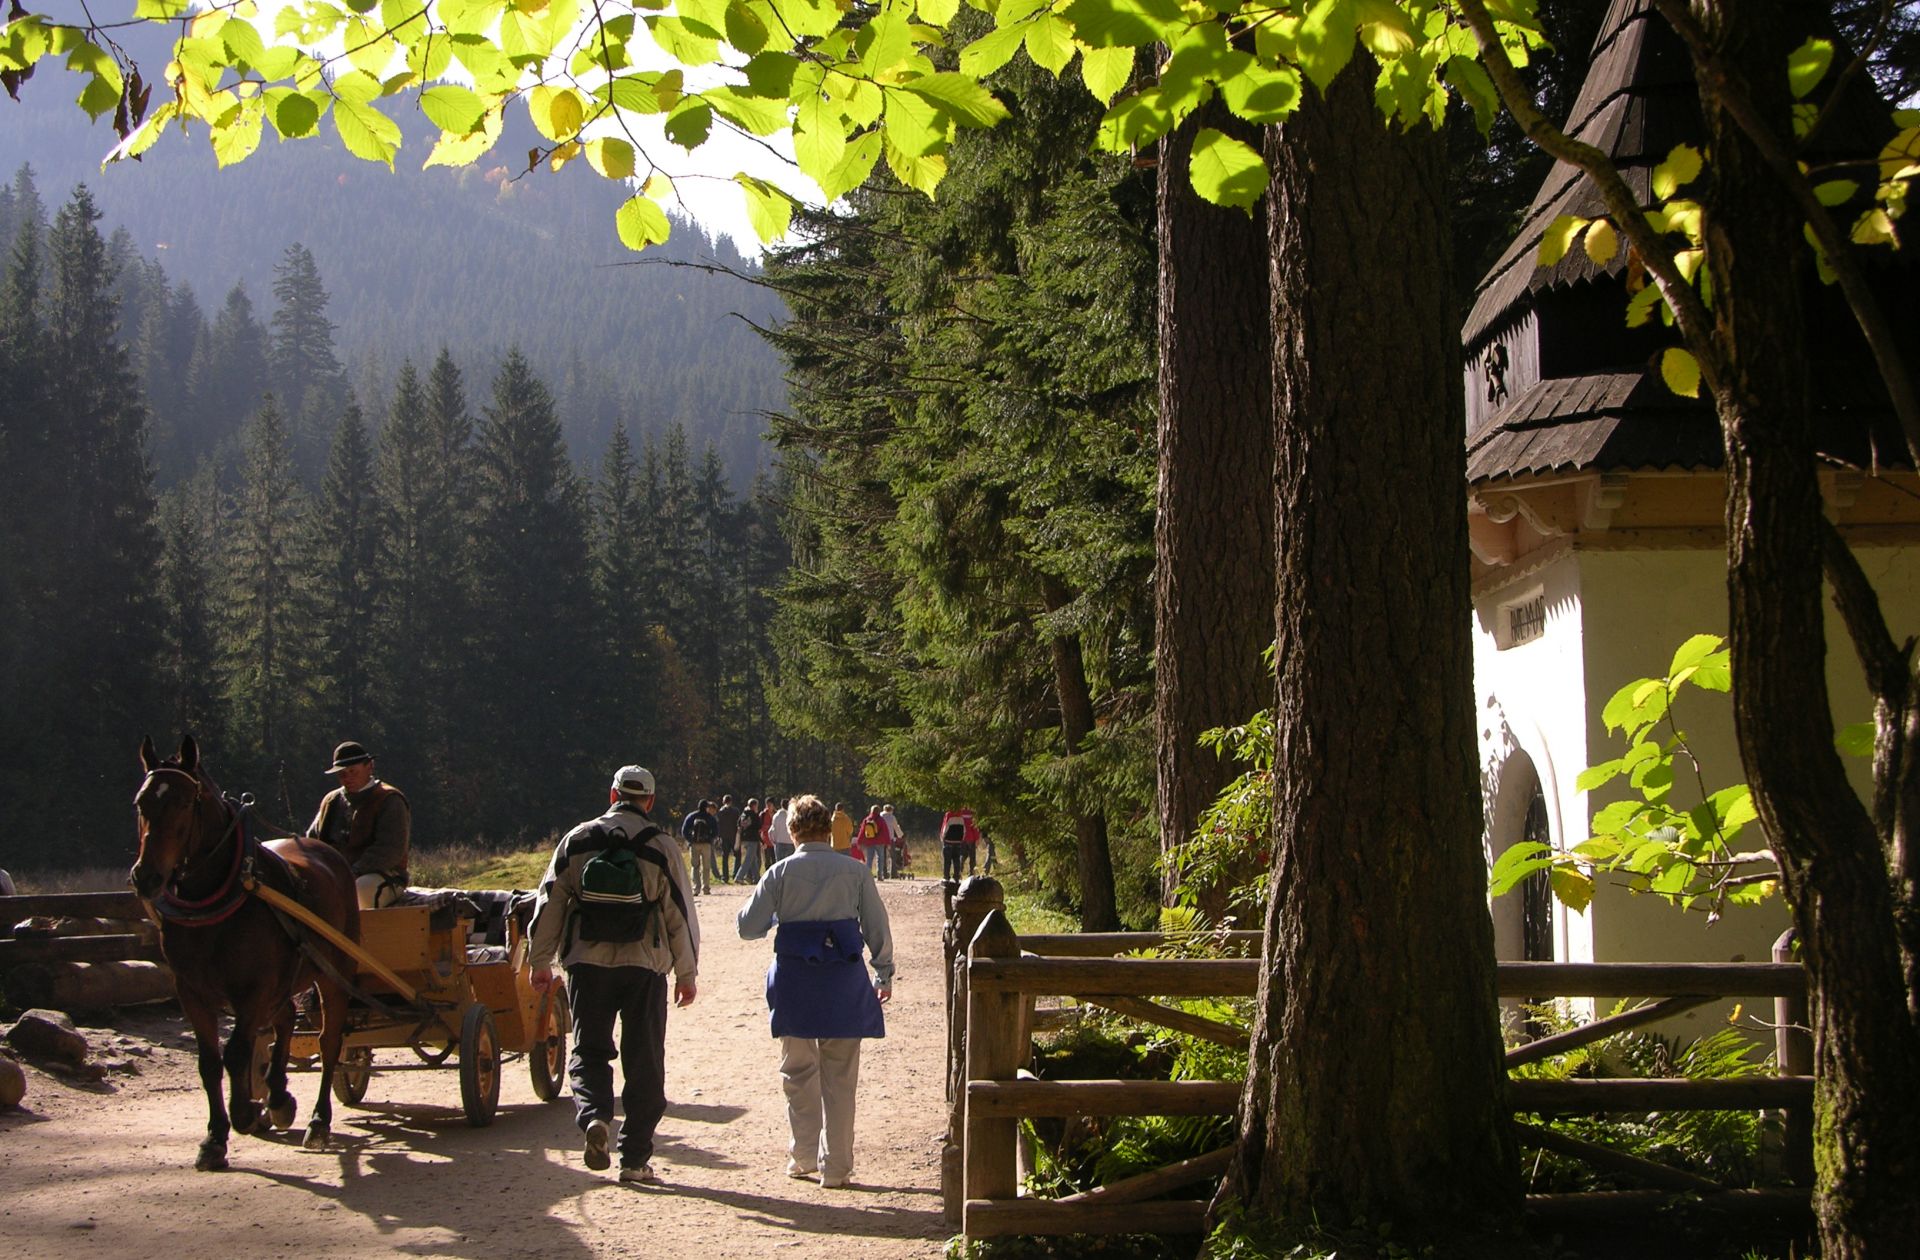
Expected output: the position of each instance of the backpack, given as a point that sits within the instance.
(613, 892)
(956, 833)
(701, 830)
(872, 831)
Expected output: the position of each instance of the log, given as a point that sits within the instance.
(1611, 1207)
(1109, 944)
(1149, 1184)
(104, 905)
(988, 1218)
(1654, 1174)
(1652, 1012)
(1127, 977)
(1064, 1099)
(1196, 1026)
(78, 949)
(43, 927)
(1552, 979)
(1748, 1093)
(89, 986)
(13, 1083)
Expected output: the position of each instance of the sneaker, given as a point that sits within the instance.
(642, 1174)
(835, 1183)
(796, 1171)
(598, 1139)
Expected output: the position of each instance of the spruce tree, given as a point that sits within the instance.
(227, 379)
(534, 642)
(347, 545)
(307, 376)
(192, 666)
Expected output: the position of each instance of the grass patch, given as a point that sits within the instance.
(1035, 912)
(474, 866)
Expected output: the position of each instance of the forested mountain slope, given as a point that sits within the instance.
(474, 259)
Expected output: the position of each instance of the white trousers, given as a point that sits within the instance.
(375, 891)
(820, 1078)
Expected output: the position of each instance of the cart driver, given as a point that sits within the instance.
(368, 821)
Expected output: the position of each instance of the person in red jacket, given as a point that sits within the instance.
(959, 835)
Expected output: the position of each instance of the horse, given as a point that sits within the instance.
(228, 948)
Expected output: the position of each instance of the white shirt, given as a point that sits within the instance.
(778, 832)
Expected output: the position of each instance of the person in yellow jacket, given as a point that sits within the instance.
(842, 829)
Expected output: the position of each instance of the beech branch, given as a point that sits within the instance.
(1723, 89)
(1884, 661)
(1690, 313)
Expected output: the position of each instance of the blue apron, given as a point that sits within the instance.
(817, 986)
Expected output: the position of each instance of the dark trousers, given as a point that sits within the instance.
(636, 996)
(724, 867)
(952, 858)
(750, 862)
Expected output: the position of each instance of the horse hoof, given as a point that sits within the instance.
(212, 1159)
(281, 1113)
(244, 1121)
(317, 1138)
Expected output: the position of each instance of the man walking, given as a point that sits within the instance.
(697, 830)
(614, 906)
(370, 823)
(777, 832)
(747, 871)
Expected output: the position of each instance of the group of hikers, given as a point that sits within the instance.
(730, 843)
(615, 910)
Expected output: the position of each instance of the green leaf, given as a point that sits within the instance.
(768, 209)
(960, 96)
(1050, 43)
(914, 125)
(922, 172)
(454, 109)
(640, 223)
(756, 115)
(356, 87)
(990, 52)
(857, 161)
(1681, 371)
(771, 75)
(1226, 171)
(1733, 806)
(1384, 29)
(1262, 94)
(1807, 65)
(1836, 192)
(1326, 40)
(469, 17)
(689, 123)
(462, 150)
(938, 13)
(887, 39)
(1695, 650)
(1105, 71)
(556, 113)
(1641, 306)
(293, 114)
(243, 41)
(1682, 166)
(683, 44)
(1123, 23)
(366, 132)
(1599, 775)
(1519, 861)
(1470, 79)
(1558, 238)
(1570, 888)
(237, 136)
(1617, 817)
(745, 30)
(1856, 739)
(1673, 880)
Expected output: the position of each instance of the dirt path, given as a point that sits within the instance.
(110, 1173)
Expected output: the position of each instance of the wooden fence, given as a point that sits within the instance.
(80, 951)
(994, 976)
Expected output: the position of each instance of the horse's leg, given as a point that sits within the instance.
(281, 1107)
(333, 1030)
(239, 1060)
(205, 1019)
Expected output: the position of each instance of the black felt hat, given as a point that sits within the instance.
(348, 754)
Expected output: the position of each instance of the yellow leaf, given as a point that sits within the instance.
(658, 187)
(1558, 238)
(1681, 168)
(1681, 371)
(562, 155)
(641, 222)
(611, 156)
(1602, 242)
(1875, 227)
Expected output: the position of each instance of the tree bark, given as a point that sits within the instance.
(1213, 531)
(1376, 1088)
(1866, 1050)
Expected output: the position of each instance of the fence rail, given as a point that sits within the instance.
(95, 967)
(994, 976)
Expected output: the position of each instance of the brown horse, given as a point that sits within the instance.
(229, 949)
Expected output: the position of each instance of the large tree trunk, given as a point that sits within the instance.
(1866, 1051)
(1213, 533)
(1376, 1088)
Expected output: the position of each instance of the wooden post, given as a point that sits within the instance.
(1793, 1048)
(978, 897)
(995, 1052)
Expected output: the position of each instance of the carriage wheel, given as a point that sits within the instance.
(479, 1066)
(352, 1074)
(547, 1060)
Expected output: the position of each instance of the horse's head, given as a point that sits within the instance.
(171, 810)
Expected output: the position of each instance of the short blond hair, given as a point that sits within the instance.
(808, 818)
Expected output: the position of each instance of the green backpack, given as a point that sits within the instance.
(614, 907)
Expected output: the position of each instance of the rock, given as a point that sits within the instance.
(13, 1083)
(48, 1034)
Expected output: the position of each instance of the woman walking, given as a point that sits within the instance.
(828, 911)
